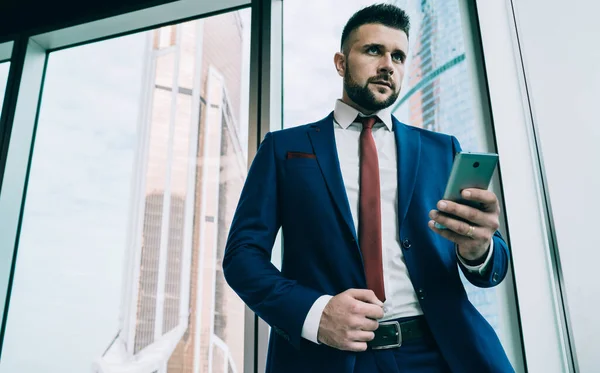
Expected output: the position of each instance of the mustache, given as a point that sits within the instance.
(383, 78)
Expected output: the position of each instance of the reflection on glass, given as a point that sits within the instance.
(4, 67)
(437, 96)
(138, 164)
(436, 92)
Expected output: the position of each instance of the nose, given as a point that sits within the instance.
(386, 65)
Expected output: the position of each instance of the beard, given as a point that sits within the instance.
(364, 97)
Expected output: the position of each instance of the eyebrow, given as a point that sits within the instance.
(381, 46)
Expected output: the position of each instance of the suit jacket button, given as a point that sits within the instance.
(495, 277)
(421, 294)
(406, 244)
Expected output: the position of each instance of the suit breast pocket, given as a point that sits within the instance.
(292, 163)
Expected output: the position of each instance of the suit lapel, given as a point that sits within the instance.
(323, 141)
(408, 143)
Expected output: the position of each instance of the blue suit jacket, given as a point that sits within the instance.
(307, 198)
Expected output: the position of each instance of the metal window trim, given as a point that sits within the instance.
(22, 106)
(536, 264)
(6, 51)
(141, 20)
(564, 318)
(263, 104)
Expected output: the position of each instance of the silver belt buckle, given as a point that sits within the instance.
(398, 335)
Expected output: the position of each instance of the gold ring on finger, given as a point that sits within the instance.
(470, 232)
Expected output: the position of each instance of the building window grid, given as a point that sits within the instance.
(172, 291)
(179, 202)
(423, 47)
(228, 134)
(430, 92)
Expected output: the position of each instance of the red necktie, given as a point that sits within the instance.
(369, 221)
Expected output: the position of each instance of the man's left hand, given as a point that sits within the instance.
(474, 236)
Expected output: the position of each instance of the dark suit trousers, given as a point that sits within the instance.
(416, 356)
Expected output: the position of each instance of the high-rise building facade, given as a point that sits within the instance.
(178, 314)
(439, 91)
(439, 95)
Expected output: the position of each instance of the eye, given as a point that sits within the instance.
(373, 49)
(398, 57)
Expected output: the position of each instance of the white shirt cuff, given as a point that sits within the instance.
(479, 268)
(310, 329)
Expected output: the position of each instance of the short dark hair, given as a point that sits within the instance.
(383, 14)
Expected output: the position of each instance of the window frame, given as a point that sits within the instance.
(544, 319)
(29, 55)
(6, 51)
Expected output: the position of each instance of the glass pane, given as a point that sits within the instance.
(436, 92)
(4, 67)
(218, 363)
(567, 139)
(138, 164)
(437, 96)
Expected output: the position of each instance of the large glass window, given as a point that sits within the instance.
(139, 160)
(437, 94)
(563, 98)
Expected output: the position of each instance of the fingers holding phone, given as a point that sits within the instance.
(468, 214)
(487, 200)
(459, 218)
(453, 214)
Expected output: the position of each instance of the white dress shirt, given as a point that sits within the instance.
(401, 299)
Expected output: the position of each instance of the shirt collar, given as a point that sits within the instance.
(345, 115)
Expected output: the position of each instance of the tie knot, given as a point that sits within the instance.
(368, 122)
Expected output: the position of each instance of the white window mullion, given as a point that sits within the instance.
(132, 262)
(166, 211)
(184, 304)
(14, 183)
(214, 130)
(203, 194)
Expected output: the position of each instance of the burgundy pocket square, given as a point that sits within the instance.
(300, 155)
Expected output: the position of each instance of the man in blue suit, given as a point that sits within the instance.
(367, 283)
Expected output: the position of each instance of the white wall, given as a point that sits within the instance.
(559, 43)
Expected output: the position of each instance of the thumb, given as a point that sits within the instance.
(365, 295)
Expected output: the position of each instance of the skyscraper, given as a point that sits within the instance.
(178, 314)
(439, 95)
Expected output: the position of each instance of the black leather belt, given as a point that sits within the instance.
(391, 334)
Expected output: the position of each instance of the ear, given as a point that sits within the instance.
(340, 63)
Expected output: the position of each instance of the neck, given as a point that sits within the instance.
(348, 101)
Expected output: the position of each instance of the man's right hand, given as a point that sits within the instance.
(349, 320)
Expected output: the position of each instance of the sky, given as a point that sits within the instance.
(66, 293)
(67, 289)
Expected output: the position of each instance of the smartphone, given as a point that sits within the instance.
(469, 170)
